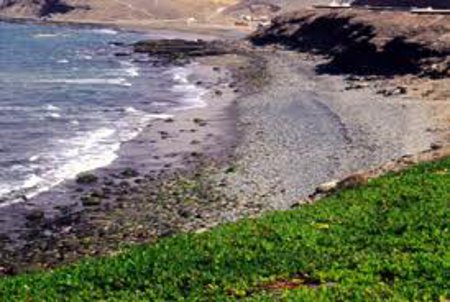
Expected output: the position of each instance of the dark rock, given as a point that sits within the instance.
(129, 173)
(164, 134)
(200, 122)
(122, 54)
(86, 179)
(179, 50)
(89, 201)
(35, 215)
(436, 145)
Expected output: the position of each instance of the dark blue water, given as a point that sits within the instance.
(67, 102)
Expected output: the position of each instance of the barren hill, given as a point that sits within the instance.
(144, 10)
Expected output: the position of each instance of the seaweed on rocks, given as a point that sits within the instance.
(182, 50)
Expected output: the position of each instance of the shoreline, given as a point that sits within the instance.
(238, 182)
(205, 30)
(163, 152)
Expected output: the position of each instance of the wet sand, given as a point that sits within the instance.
(34, 231)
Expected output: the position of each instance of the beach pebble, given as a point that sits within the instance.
(129, 173)
(86, 178)
(436, 145)
(200, 122)
(89, 201)
(352, 181)
(35, 215)
(327, 187)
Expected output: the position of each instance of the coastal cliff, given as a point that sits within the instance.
(365, 42)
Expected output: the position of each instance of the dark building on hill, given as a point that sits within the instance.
(437, 4)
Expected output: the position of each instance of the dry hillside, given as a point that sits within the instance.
(110, 10)
(143, 10)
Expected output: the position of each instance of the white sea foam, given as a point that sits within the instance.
(192, 94)
(114, 81)
(62, 61)
(34, 158)
(130, 69)
(44, 35)
(106, 31)
(54, 115)
(85, 152)
(51, 107)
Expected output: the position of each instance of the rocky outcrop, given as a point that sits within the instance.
(34, 8)
(181, 50)
(366, 43)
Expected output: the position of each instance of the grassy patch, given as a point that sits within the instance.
(388, 240)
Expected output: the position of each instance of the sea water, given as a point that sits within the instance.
(67, 102)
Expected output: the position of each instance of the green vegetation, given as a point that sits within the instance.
(386, 241)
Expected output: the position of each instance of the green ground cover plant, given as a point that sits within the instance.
(386, 241)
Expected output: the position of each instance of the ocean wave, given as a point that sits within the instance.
(193, 96)
(85, 152)
(130, 69)
(105, 31)
(54, 115)
(115, 81)
(51, 107)
(48, 35)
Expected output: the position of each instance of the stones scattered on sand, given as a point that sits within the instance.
(90, 201)
(164, 134)
(399, 90)
(169, 120)
(86, 179)
(176, 50)
(352, 181)
(353, 86)
(129, 173)
(195, 142)
(327, 187)
(122, 54)
(436, 145)
(218, 92)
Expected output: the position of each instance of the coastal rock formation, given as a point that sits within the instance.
(35, 8)
(364, 42)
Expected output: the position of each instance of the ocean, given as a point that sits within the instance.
(68, 102)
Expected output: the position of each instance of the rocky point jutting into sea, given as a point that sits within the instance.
(244, 125)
